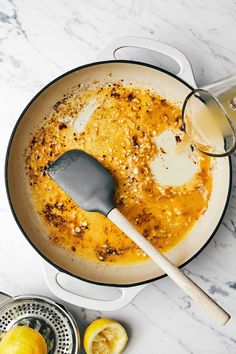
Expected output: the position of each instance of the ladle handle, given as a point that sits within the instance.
(177, 275)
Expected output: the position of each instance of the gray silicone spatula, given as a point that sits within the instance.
(92, 187)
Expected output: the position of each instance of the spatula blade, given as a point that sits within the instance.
(85, 180)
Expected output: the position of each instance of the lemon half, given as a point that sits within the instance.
(22, 340)
(105, 336)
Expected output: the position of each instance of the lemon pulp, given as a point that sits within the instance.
(105, 336)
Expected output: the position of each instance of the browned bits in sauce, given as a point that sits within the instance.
(164, 102)
(105, 251)
(178, 139)
(135, 140)
(53, 218)
(115, 94)
(59, 104)
(120, 134)
(62, 126)
(130, 96)
(162, 150)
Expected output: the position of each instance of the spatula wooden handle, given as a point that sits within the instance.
(177, 275)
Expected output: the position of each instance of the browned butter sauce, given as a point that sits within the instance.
(120, 134)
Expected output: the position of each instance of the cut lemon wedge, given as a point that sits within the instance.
(105, 336)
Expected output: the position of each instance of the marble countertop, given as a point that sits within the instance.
(40, 40)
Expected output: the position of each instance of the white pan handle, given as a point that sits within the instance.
(185, 73)
(127, 294)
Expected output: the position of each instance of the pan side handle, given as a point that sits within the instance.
(126, 294)
(185, 69)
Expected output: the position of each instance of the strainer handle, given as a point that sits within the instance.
(185, 72)
(127, 294)
(4, 298)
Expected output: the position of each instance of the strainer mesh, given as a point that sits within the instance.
(48, 319)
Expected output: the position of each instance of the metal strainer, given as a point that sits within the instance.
(52, 320)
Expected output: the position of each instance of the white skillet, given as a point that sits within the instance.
(62, 264)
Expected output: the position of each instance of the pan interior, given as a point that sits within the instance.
(101, 74)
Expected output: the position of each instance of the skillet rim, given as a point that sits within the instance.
(8, 189)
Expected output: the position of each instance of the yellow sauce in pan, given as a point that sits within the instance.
(120, 134)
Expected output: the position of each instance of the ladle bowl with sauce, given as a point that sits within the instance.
(209, 116)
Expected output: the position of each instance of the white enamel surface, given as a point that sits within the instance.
(167, 164)
(84, 115)
(42, 44)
